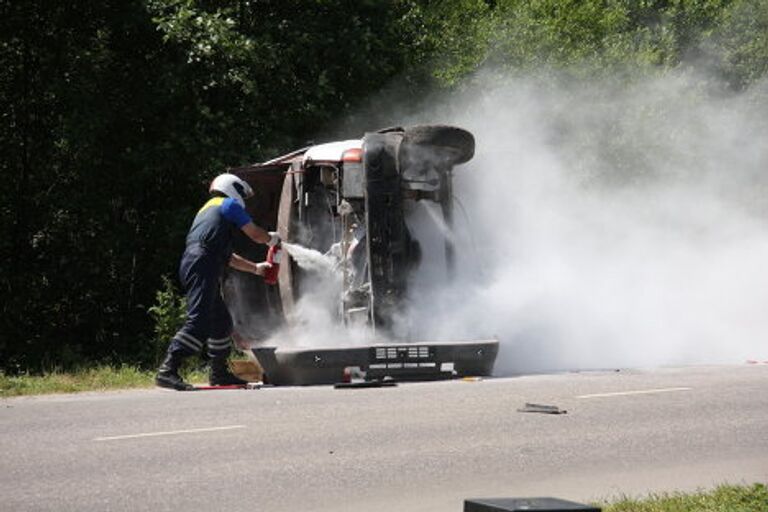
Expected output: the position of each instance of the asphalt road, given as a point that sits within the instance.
(416, 447)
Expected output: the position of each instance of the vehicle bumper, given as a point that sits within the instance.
(399, 361)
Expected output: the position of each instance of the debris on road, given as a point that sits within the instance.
(544, 409)
(248, 370)
(247, 385)
(525, 504)
(365, 384)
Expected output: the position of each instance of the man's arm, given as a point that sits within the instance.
(235, 213)
(239, 263)
(259, 234)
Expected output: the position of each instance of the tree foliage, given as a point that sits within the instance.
(115, 112)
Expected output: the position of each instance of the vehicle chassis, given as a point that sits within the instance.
(318, 201)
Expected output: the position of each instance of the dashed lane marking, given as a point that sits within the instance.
(169, 433)
(635, 392)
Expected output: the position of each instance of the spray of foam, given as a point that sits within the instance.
(604, 225)
(310, 259)
(314, 322)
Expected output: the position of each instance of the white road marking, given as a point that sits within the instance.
(169, 433)
(636, 392)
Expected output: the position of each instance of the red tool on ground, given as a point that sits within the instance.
(274, 255)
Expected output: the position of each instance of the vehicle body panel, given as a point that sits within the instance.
(319, 198)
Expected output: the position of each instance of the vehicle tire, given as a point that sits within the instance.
(454, 145)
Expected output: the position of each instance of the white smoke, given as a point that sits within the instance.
(600, 224)
(606, 225)
(315, 318)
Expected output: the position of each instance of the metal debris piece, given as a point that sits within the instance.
(525, 504)
(365, 384)
(544, 409)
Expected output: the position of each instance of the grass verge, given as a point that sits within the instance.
(99, 378)
(726, 498)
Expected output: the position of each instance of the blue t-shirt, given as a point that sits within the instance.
(214, 225)
(234, 213)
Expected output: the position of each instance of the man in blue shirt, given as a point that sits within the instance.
(208, 251)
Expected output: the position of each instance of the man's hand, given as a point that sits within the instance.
(260, 268)
(274, 238)
(244, 265)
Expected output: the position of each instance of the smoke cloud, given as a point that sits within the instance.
(601, 224)
(605, 225)
(315, 322)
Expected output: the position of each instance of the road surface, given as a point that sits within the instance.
(417, 447)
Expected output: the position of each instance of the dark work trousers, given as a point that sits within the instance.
(208, 321)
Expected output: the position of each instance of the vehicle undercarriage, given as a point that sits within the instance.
(347, 200)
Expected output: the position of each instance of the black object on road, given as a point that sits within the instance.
(248, 385)
(366, 384)
(544, 409)
(214, 388)
(525, 504)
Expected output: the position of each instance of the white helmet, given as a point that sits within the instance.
(232, 186)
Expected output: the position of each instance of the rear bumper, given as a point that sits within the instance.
(403, 361)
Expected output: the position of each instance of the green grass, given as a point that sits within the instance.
(726, 498)
(99, 378)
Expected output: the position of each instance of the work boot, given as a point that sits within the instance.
(221, 375)
(168, 374)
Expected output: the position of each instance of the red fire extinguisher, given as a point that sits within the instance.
(273, 257)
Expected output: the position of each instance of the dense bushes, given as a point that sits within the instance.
(115, 113)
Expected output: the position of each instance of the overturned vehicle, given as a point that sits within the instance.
(348, 199)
